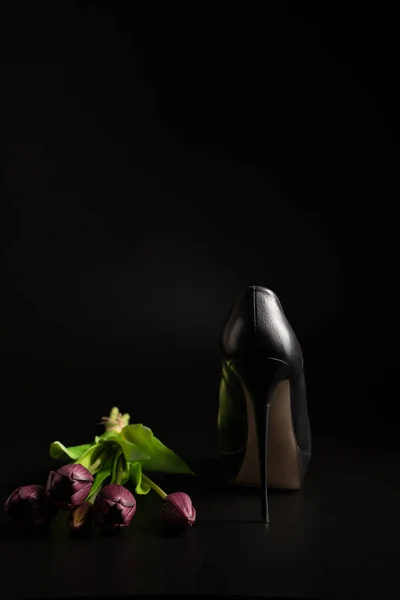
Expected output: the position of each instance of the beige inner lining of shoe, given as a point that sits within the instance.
(282, 457)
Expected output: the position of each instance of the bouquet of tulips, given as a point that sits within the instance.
(91, 486)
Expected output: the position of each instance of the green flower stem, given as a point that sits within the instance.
(154, 486)
(92, 498)
(118, 479)
(95, 466)
(119, 471)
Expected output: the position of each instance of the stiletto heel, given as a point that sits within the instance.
(259, 377)
(263, 426)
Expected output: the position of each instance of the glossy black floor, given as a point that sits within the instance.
(337, 538)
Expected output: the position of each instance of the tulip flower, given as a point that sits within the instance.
(80, 516)
(69, 486)
(118, 455)
(114, 507)
(177, 509)
(28, 506)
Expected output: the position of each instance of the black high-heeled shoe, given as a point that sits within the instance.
(263, 425)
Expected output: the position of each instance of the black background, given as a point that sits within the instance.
(156, 161)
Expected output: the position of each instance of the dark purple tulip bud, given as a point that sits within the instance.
(29, 506)
(114, 507)
(80, 516)
(177, 510)
(69, 486)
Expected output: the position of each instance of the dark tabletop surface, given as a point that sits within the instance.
(336, 538)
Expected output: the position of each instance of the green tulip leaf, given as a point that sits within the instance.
(106, 453)
(132, 451)
(136, 476)
(89, 456)
(104, 437)
(114, 465)
(160, 458)
(58, 450)
(99, 478)
(126, 467)
(126, 473)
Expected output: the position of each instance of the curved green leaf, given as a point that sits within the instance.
(160, 458)
(136, 476)
(126, 467)
(114, 465)
(126, 473)
(58, 450)
(99, 479)
(131, 451)
(89, 456)
(105, 436)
